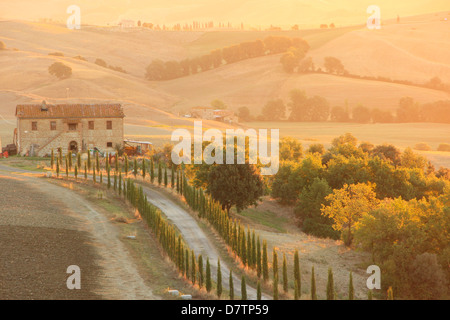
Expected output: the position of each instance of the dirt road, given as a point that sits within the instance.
(196, 238)
(44, 228)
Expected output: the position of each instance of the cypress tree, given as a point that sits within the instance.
(69, 157)
(178, 182)
(200, 271)
(165, 177)
(249, 248)
(253, 250)
(67, 167)
(78, 160)
(93, 174)
(231, 286)
(76, 172)
(52, 159)
(296, 295)
(186, 269)
(258, 258)
(351, 290)
(275, 265)
(127, 165)
(330, 285)
(219, 279)
(101, 177)
(275, 289)
(285, 276)
(60, 156)
(159, 173)
(135, 167)
(85, 170)
(97, 162)
(243, 248)
(152, 170)
(390, 294)
(120, 182)
(313, 285)
(193, 268)
(172, 177)
(297, 275)
(115, 181)
(265, 263)
(143, 168)
(57, 167)
(208, 283)
(258, 291)
(369, 295)
(108, 172)
(89, 161)
(243, 289)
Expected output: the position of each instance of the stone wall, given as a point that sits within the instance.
(44, 139)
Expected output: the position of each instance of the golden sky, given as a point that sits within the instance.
(250, 12)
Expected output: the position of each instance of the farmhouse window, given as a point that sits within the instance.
(91, 125)
(109, 125)
(109, 144)
(72, 126)
(34, 126)
(52, 125)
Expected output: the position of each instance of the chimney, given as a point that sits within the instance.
(44, 106)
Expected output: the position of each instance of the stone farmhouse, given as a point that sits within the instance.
(71, 127)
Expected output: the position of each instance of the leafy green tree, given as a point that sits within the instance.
(334, 66)
(237, 185)
(347, 206)
(290, 149)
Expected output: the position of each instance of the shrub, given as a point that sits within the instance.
(80, 58)
(101, 63)
(57, 54)
(2, 45)
(428, 278)
(422, 147)
(444, 147)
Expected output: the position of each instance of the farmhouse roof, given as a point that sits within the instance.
(59, 111)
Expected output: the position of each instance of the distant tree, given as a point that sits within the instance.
(334, 66)
(339, 114)
(101, 63)
(156, 70)
(244, 114)
(2, 45)
(218, 104)
(427, 277)
(361, 114)
(408, 110)
(274, 110)
(60, 70)
(219, 279)
(306, 65)
(379, 116)
(208, 276)
(231, 285)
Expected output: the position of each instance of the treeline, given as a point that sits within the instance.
(393, 204)
(160, 70)
(294, 63)
(317, 109)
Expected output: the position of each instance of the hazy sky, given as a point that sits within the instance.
(251, 12)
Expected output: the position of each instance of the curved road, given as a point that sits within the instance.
(194, 236)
